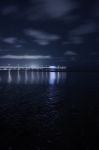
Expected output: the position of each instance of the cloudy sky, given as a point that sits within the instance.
(49, 31)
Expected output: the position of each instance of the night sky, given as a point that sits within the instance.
(42, 32)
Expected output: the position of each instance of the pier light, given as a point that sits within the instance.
(52, 67)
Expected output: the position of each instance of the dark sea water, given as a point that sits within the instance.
(45, 111)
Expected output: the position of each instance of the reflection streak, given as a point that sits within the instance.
(51, 78)
(9, 76)
(18, 76)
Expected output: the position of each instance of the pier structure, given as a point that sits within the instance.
(51, 74)
(25, 68)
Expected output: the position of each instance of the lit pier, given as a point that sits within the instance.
(30, 75)
(49, 68)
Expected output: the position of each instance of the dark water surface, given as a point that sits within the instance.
(45, 111)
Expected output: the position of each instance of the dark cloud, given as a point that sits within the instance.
(18, 46)
(62, 29)
(70, 53)
(9, 10)
(85, 28)
(49, 9)
(10, 40)
(78, 33)
(76, 39)
(41, 37)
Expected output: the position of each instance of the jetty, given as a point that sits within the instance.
(23, 68)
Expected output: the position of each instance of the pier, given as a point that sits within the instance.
(23, 74)
(45, 69)
(30, 75)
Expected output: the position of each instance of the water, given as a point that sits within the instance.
(44, 111)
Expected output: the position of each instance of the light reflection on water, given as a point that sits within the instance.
(9, 76)
(52, 78)
(30, 77)
(18, 77)
(26, 76)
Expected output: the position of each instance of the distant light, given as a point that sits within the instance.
(52, 67)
